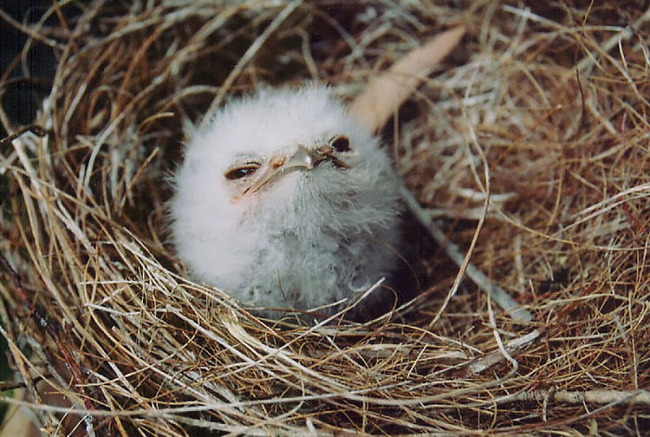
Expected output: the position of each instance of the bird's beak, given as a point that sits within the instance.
(302, 158)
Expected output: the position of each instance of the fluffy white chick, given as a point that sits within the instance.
(285, 201)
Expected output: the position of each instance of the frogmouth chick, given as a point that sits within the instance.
(285, 201)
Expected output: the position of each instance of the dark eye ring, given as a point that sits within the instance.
(340, 143)
(241, 171)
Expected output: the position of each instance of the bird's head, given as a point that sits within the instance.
(278, 166)
(245, 177)
(281, 159)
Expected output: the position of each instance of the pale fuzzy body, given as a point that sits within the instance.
(309, 238)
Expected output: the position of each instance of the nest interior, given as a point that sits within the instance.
(543, 105)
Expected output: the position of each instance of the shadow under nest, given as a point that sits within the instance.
(549, 102)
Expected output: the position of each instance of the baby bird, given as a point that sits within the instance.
(284, 200)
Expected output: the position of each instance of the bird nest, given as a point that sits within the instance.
(528, 150)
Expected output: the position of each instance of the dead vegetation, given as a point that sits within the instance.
(535, 132)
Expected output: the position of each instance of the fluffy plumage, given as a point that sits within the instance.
(285, 201)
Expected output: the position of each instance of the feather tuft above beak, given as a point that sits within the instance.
(300, 158)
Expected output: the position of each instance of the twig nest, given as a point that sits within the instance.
(547, 103)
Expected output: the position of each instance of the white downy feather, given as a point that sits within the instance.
(306, 238)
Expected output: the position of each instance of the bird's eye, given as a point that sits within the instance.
(341, 143)
(241, 171)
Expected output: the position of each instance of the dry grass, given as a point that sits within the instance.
(550, 102)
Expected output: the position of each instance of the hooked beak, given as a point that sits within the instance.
(301, 159)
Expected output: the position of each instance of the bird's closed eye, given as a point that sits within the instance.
(241, 171)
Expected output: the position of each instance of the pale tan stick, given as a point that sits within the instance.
(386, 93)
(497, 356)
(640, 397)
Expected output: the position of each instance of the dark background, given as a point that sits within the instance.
(21, 98)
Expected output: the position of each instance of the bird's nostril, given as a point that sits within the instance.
(277, 161)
